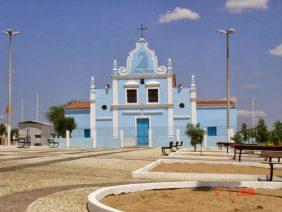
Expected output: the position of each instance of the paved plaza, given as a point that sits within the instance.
(43, 179)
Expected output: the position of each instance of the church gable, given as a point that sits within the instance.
(142, 60)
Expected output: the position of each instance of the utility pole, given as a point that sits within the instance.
(22, 115)
(253, 111)
(37, 107)
(10, 33)
(227, 33)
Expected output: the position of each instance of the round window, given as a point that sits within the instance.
(181, 105)
(104, 107)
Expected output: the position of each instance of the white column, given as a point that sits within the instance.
(193, 100)
(115, 111)
(67, 138)
(205, 139)
(150, 138)
(170, 110)
(93, 112)
(177, 135)
(121, 138)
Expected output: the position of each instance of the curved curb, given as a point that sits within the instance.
(145, 172)
(94, 198)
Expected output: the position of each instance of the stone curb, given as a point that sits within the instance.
(94, 198)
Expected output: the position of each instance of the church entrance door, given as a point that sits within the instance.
(142, 131)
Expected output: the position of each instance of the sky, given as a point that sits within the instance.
(64, 42)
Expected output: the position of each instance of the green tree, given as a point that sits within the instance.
(275, 136)
(56, 115)
(3, 130)
(261, 132)
(245, 132)
(238, 138)
(65, 124)
(195, 133)
(14, 133)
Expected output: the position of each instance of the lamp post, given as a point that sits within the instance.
(227, 33)
(10, 33)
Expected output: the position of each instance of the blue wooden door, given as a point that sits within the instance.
(142, 131)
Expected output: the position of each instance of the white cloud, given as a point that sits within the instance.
(250, 86)
(238, 6)
(177, 14)
(248, 113)
(277, 51)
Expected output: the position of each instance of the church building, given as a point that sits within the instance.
(144, 106)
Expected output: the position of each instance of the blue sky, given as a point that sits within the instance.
(62, 43)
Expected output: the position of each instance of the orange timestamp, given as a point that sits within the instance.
(239, 192)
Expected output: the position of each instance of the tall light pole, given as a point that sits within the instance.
(227, 33)
(10, 33)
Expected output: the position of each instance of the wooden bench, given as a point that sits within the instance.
(170, 147)
(177, 144)
(225, 144)
(241, 147)
(53, 143)
(270, 155)
(23, 142)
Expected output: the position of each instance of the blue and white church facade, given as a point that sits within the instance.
(144, 107)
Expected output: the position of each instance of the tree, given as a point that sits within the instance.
(56, 115)
(238, 138)
(14, 133)
(65, 124)
(195, 133)
(245, 132)
(275, 136)
(261, 132)
(3, 130)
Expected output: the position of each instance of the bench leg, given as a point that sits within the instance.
(20, 146)
(171, 149)
(234, 157)
(164, 152)
(240, 153)
(279, 160)
(227, 150)
(271, 172)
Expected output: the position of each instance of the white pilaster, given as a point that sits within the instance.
(150, 138)
(170, 110)
(193, 100)
(121, 138)
(67, 138)
(93, 111)
(115, 111)
(178, 135)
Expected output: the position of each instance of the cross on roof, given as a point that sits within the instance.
(142, 28)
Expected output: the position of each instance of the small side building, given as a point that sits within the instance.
(39, 132)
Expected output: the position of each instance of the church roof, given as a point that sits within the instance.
(78, 105)
(215, 103)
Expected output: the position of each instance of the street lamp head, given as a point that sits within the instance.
(222, 31)
(228, 31)
(231, 30)
(10, 32)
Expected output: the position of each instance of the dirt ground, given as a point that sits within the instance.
(214, 168)
(198, 199)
